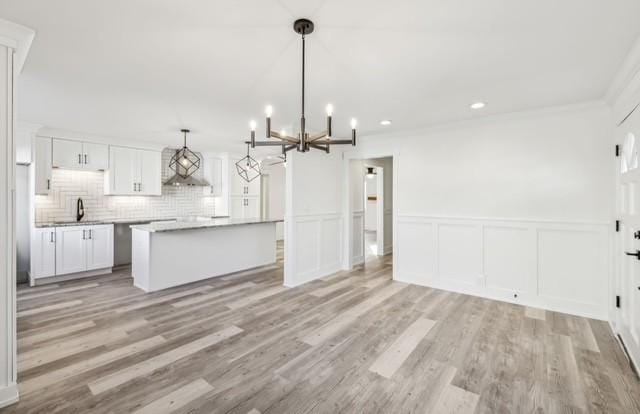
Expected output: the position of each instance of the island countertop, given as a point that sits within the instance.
(201, 224)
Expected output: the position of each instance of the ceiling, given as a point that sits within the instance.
(143, 69)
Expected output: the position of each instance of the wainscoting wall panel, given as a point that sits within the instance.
(319, 241)
(559, 266)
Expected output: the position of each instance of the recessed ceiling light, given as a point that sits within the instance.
(477, 105)
(385, 122)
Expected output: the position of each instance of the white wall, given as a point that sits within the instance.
(313, 218)
(514, 207)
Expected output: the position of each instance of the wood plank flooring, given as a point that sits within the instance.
(355, 342)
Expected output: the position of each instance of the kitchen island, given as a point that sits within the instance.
(166, 254)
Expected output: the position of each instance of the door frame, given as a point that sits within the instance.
(619, 283)
(347, 208)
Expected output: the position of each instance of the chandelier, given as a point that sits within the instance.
(184, 162)
(304, 140)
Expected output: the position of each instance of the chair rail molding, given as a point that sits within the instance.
(551, 264)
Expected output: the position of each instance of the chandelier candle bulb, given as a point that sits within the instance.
(252, 126)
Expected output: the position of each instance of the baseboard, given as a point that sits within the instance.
(522, 299)
(8, 395)
(630, 353)
(71, 276)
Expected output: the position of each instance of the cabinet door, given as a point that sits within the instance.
(149, 173)
(253, 188)
(213, 175)
(71, 245)
(236, 207)
(42, 165)
(67, 154)
(43, 252)
(95, 156)
(99, 247)
(122, 171)
(237, 185)
(252, 208)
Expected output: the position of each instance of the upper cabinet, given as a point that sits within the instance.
(213, 175)
(79, 155)
(42, 165)
(133, 172)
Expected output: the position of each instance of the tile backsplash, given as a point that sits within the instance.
(68, 185)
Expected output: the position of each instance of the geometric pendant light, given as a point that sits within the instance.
(248, 168)
(184, 162)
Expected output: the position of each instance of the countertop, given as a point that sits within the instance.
(212, 223)
(114, 221)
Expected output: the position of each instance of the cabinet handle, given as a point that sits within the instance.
(51, 237)
(139, 186)
(84, 235)
(48, 184)
(134, 187)
(85, 158)
(79, 158)
(90, 234)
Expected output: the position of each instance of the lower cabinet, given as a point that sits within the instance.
(244, 207)
(83, 248)
(59, 251)
(43, 252)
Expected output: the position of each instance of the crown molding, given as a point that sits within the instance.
(17, 37)
(625, 84)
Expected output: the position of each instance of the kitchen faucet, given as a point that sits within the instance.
(79, 209)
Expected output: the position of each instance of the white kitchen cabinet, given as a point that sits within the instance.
(67, 154)
(252, 207)
(213, 175)
(121, 177)
(83, 248)
(42, 165)
(78, 155)
(99, 247)
(244, 207)
(43, 253)
(70, 249)
(150, 172)
(95, 156)
(133, 172)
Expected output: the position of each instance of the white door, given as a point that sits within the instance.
(122, 170)
(42, 165)
(149, 173)
(95, 156)
(627, 283)
(43, 253)
(67, 154)
(99, 247)
(71, 245)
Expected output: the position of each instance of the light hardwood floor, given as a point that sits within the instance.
(353, 342)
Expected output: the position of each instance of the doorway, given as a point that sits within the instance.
(369, 210)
